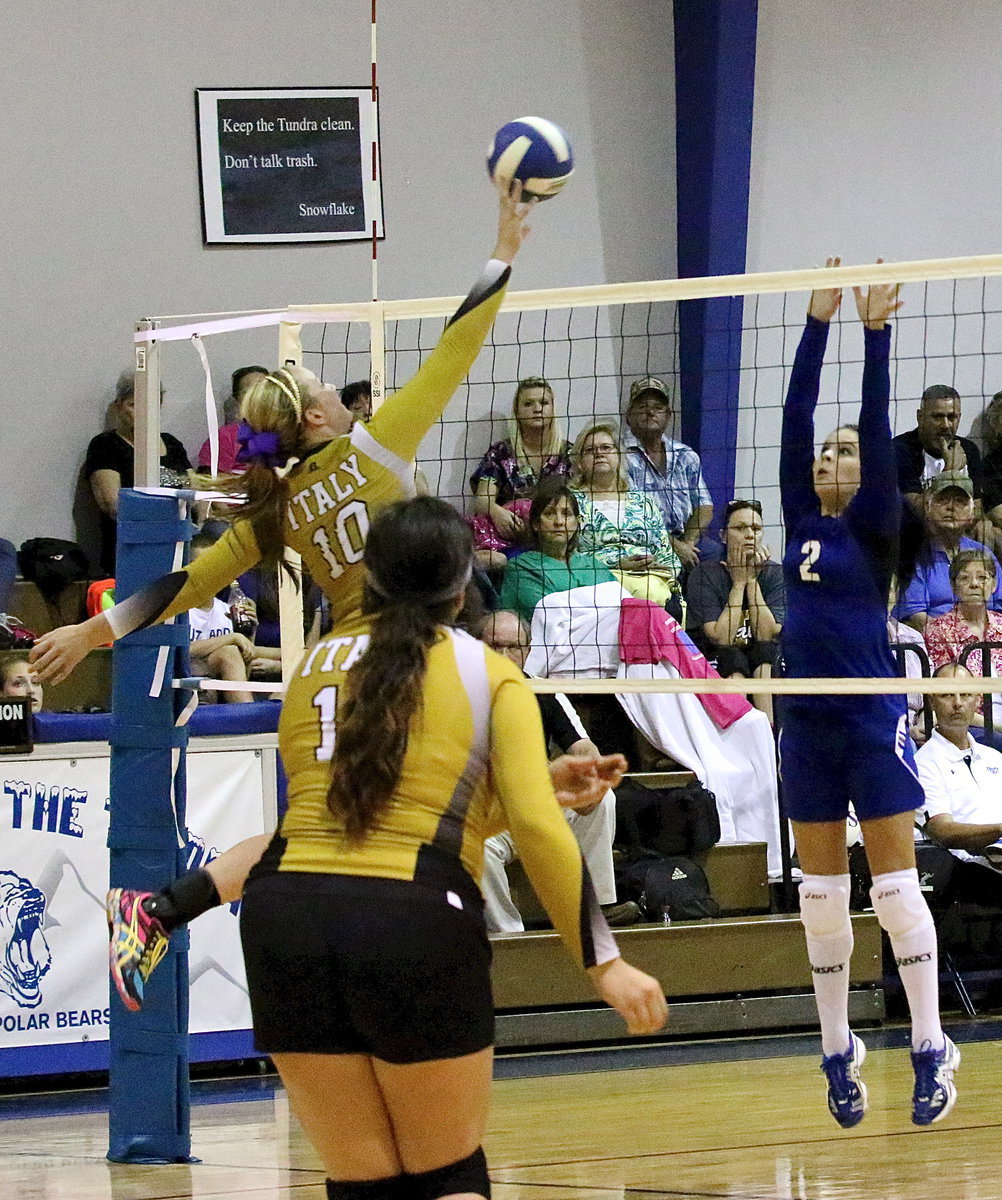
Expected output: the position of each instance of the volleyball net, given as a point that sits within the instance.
(723, 347)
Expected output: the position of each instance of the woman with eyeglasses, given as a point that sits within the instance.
(843, 513)
(736, 607)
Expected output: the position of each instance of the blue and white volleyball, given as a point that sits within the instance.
(532, 150)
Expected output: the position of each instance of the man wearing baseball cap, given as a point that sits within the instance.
(668, 469)
(949, 515)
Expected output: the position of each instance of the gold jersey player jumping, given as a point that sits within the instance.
(321, 506)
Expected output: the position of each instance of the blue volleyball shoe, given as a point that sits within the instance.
(935, 1092)
(846, 1090)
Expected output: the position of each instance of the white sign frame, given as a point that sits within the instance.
(330, 189)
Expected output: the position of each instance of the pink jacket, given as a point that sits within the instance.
(647, 634)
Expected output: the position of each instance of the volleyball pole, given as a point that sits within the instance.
(149, 1105)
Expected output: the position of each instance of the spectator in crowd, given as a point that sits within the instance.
(512, 468)
(8, 572)
(241, 382)
(669, 470)
(357, 399)
(962, 781)
(949, 507)
(972, 574)
(736, 606)
(933, 446)
(593, 825)
(552, 563)
(622, 526)
(110, 464)
(217, 650)
(991, 500)
(18, 679)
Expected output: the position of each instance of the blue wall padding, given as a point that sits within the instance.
(208, 720)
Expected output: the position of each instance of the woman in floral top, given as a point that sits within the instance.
(621, 527)
(972, 573)
(512, 468)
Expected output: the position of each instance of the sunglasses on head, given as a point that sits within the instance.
(735, 505)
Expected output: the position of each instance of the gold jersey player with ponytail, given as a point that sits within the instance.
(313, 482)
(406, 744)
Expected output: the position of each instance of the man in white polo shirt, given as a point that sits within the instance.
(962, 780)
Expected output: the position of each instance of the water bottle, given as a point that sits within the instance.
(666, 915)
(241, 610)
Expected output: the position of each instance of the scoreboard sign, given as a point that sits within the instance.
(15, 725)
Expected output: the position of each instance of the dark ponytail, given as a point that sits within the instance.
(418, 554)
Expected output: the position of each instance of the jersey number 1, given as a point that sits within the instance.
(811, 552)
(326, 701)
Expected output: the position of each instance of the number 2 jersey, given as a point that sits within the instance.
(475, 763)
(338, 488)
(838, 569)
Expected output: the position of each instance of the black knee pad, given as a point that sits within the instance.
(467, 1175)
(394, 1188)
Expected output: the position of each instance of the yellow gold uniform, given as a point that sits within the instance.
(379, 946)
(338, 489)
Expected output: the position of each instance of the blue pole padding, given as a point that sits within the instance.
(149, 1108)
(715, 92)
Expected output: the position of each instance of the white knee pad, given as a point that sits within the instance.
(899, 904)
(824, 913)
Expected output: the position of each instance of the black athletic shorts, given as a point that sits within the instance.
(343, 964)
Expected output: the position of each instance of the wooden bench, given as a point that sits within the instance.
(28, 604)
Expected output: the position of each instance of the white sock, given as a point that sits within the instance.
(902, 911)
(824, 912)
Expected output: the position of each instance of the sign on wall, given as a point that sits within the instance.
(53, 878)
(288, 164)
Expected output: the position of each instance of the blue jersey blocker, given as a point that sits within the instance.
(840, 749)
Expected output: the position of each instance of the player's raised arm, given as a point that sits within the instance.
(797, 452)
(405, 418)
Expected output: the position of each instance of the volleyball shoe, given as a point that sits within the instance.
(138, 943)
(935, 1092)
(846, 1090)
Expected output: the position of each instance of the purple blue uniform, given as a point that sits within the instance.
(837, 749)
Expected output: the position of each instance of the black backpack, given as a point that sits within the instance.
(674, 886)
(667, 821)
(52, 564)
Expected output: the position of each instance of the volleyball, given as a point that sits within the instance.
(532, 150)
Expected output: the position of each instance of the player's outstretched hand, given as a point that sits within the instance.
(825, 301)
(638, 998)
(56, 653)
(513, 212)
(878, 303)
(580, 781)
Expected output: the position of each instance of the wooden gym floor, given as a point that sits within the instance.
(744, 1120)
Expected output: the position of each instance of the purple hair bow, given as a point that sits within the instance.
(258, 447)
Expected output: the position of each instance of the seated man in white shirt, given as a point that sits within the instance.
(962, 780)
(594, 827)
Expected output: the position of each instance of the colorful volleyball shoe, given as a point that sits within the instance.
(935, 1092)
(138, 943)
(846, 1090)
